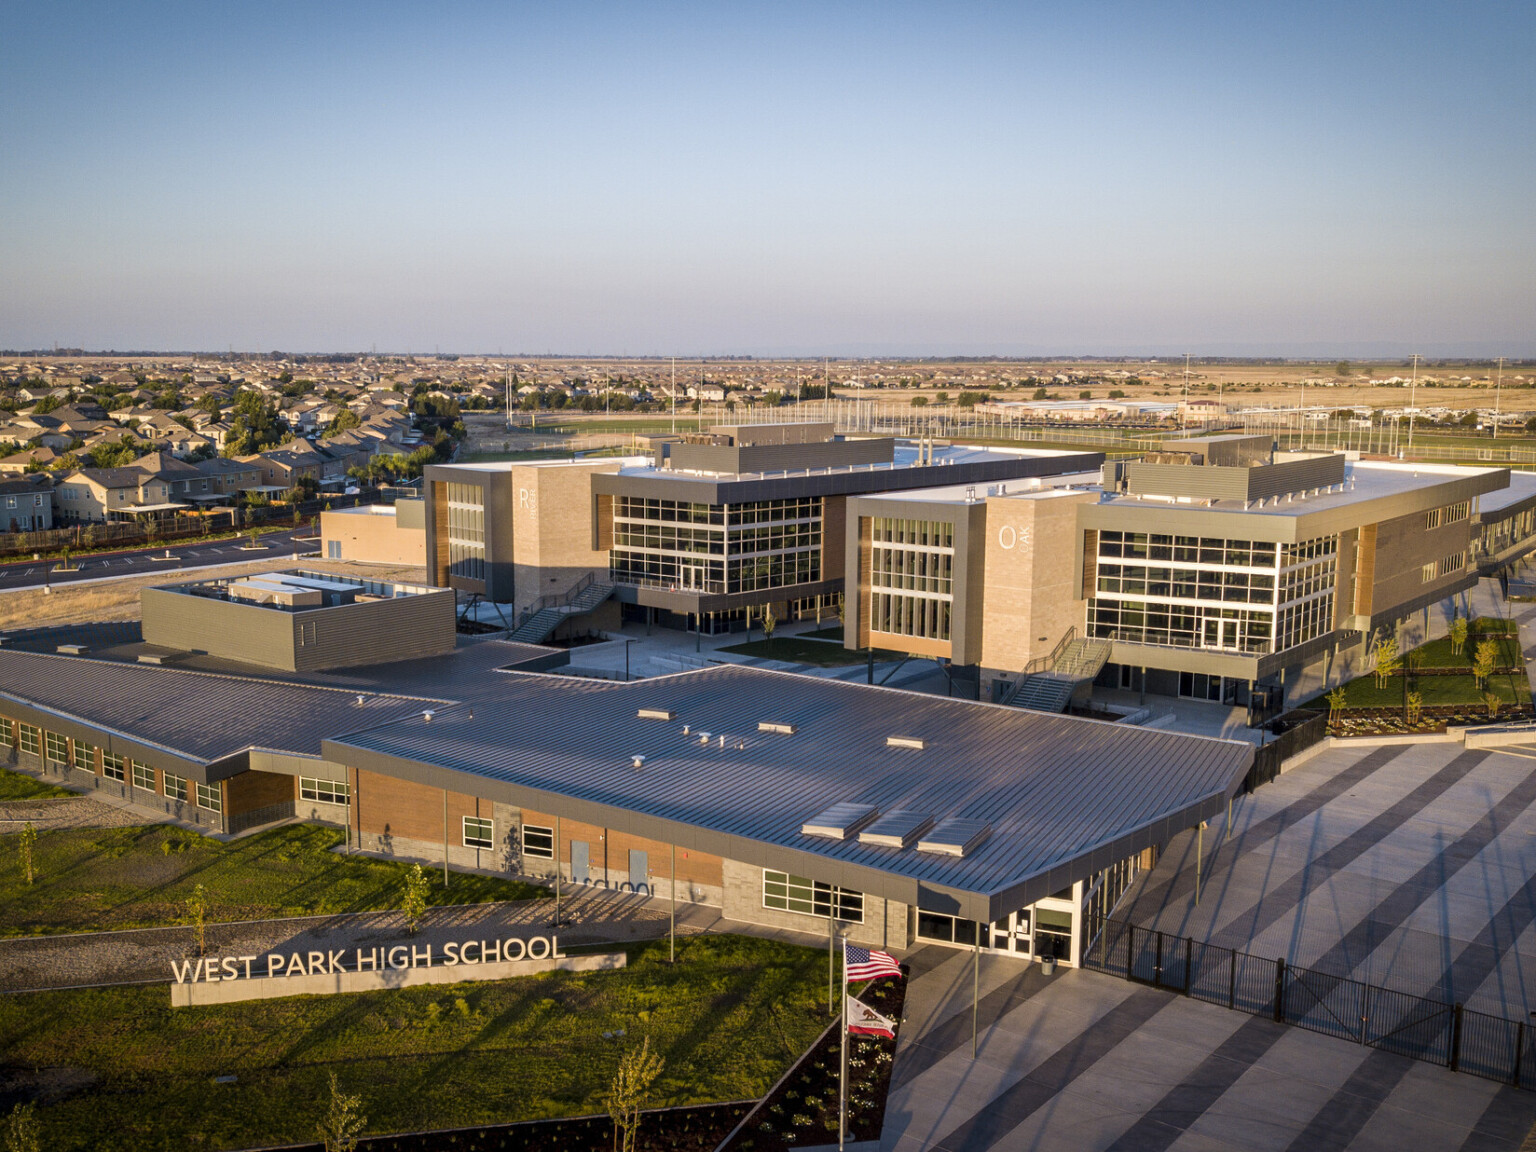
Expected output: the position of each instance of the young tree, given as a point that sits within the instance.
(1485, 660)
(770, 621)
(21, 1130)
(1493, 700)
(197, 917)
(1387, 660)
(1459, 631)
(28, 844)
(413, 901)
(1415, 707)
(638, 1070)
(343, 1121)
(919, 401)
(1337, 698)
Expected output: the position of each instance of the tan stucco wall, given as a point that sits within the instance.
(373, 536)
(1031, 596)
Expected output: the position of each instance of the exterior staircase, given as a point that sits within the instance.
(1050, 688)
(536, 623)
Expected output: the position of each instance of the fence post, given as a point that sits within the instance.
(1519, 1052)
(1456, 1038)
(1157, 962)
(1189, 963)
(1232, 980)
(1280, 990)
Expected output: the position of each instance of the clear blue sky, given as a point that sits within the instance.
(1340, 178)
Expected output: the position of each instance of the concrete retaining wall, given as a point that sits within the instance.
(274, 988)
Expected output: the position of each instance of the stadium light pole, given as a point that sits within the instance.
(1413, 391)
(1498, 385)
(1184, 415)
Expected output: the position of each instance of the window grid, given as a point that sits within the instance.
(29, 739)
(324, 791)
(211, 797)
(717, 548)
(57, 747)
(143, 776)
(175, 786)
(479, 832)
(811, 897)
(538, 842)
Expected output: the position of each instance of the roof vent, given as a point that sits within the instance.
(360, 699)
(840, 821)
(704, 737)
(955, 836)
(685, 729)
(426, 715)
(906, 742)
(637, 761)
(775, 726)
(656, 714)
(72, 649)
(897, 829)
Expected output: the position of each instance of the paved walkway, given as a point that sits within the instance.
(1082, 1062)
(64, 812)
(1409, 866)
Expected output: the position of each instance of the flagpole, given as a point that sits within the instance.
(842, 1091)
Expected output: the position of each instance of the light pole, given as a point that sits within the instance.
(1413, 390)
(1184, 415)
(1497, 385)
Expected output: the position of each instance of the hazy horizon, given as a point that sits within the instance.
(1317, 180)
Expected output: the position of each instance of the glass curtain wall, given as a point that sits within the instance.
(716, 548)
(466, 531)
(911, 577)
(1246, 596)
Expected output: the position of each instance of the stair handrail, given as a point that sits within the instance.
(555, 600)
(1041, 664)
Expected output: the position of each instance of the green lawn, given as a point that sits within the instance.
(20, 786)
(798, 650)
(1438, 654)
(92, 879)
(1436, 690)
(729, 1017)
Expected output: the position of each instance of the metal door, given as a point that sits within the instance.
(639, 871)
(581, 861)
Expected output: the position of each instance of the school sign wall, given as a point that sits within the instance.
(228, 979)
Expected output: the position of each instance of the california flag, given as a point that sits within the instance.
(865, 1020)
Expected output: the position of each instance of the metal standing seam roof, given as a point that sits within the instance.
(199, 716)
(1057, 791)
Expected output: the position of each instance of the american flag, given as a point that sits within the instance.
(862, 964)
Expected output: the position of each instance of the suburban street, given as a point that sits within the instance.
(138, 562)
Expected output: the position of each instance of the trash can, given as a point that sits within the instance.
(1047, 965)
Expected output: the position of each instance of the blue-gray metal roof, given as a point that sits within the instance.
(199, 717)
(1064, 796)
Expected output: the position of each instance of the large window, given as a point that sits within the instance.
(143, 776)
(538, 842)
(466, 531)
(1198, 592)
(114, 765)
(479, 832)
(324, 791)
(211, 797)
(811, 897)
(29, 739)
(716, 547)
(58, 748)
(175, 786)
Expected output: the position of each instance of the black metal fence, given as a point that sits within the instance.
(1294, 732)
(1415, 1026)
